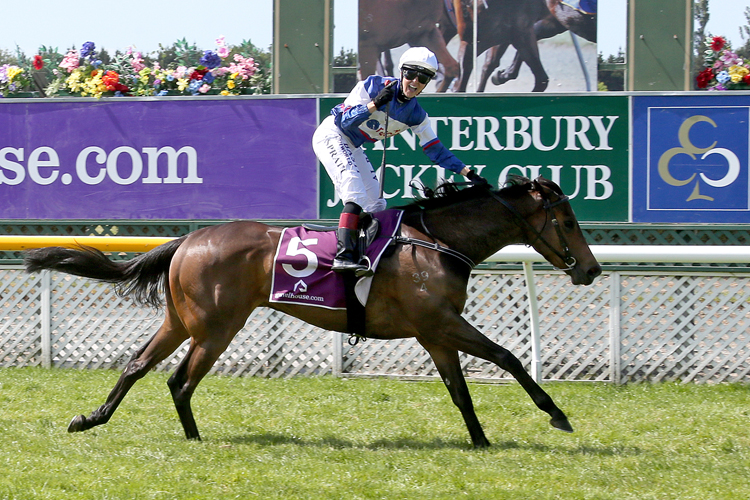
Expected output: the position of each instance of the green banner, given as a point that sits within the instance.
(580, 142)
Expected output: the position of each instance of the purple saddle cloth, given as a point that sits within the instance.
(302, 265)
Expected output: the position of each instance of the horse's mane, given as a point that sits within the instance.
(448, 193)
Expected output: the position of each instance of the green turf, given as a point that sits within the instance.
(322, 438)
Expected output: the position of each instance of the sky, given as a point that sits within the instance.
(144, 24)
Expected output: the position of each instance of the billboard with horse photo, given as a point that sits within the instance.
(534, 45)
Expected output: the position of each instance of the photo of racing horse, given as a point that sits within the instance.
(500, 25)
(213, 278)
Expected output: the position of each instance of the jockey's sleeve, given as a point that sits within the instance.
(353, 111)
(434, 149)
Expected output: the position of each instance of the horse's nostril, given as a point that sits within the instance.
(595, 271)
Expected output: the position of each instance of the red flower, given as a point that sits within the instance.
(38, 62)
(746, 79)
(110, 80)
(704, 78)
(717, 43)
(198, 74)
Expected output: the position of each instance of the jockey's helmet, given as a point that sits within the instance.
(419, 58)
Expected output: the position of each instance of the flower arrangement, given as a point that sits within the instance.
(82, 73)
(724, 69)
(12, 79)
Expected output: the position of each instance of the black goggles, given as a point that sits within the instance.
(411, 74)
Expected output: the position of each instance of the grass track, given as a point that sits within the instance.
(326, 438)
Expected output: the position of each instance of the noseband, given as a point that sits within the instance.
(548, 206)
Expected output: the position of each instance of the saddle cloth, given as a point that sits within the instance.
(302, 265)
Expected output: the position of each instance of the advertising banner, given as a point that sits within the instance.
(521, 46)
(580, 142)
(690, 159)
(223, 158)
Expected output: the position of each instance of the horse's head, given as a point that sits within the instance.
(558, 236)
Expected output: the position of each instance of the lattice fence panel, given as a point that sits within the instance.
(496, 306)
(693, 328)
(94, 328)
(20, 319)
(575, 335)
(91, 327)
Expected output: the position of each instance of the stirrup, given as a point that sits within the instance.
(340, 266)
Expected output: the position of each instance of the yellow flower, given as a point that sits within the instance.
(182, 84)
(230, 84)
(224, 92)
(13, 72)
(73, 82)
(738, 70)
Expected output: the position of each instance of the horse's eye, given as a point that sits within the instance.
(569, 225)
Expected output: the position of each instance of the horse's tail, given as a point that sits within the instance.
(143, 277)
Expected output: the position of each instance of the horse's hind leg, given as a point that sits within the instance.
(161, 345)
(197, 363)
(447, 362)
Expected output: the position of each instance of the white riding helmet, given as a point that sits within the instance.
(419, 58)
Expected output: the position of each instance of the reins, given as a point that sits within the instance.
(548, 206)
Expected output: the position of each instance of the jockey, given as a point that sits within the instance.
(360, 118)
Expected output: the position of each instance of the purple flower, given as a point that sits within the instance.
(210, 59)
(208, 77)
(88, 50)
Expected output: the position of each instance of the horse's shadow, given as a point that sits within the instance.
(274, 439)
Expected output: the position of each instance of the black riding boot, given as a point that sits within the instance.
(347, 254)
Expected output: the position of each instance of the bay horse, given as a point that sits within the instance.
(387, 24)
(214, 277)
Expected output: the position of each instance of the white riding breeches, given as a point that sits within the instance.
(348, 167)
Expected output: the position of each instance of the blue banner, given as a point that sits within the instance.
(690, 159)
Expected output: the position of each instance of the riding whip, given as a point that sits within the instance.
(385, 141)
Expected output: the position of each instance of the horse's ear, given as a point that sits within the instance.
(541, 185)
(538, 186)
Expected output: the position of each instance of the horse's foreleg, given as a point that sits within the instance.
(447, 362)
(491, 61)
(528, 51)
(468, 339)
(161, 345)
(509, 73)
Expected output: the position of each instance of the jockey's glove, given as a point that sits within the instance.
(386, 95)
(477, 179)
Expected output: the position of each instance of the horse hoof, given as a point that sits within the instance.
(561, 424)
(76, 425)
(496, 79)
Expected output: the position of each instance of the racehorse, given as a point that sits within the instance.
(388, 24)
(214, 277)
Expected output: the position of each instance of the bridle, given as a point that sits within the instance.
(566, 256)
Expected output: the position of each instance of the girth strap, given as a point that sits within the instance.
(438, 248)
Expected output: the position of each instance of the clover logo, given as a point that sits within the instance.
(688, 148)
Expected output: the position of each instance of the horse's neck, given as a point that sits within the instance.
(476, 228)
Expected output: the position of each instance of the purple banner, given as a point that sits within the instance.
(222, 158)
